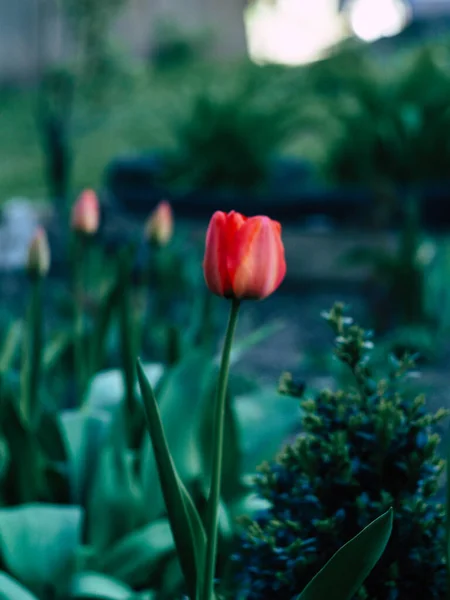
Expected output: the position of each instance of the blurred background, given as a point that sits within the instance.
(331, 116)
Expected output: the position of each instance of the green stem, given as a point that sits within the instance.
(216, 476)
(79, 256)
(33, 353)
(127, 333)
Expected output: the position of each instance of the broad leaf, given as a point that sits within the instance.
(136, 558)
(346, 571)
(85, 434)
(38, 542)
(95, 586)
(107, 389)
(264, 419)
(116, 505)
(12, 590)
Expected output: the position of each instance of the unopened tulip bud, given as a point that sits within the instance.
(159, 226)
(86, 213)
(244, 257)
(39, 254)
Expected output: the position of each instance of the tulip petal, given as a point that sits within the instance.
(256, 262)
(214, 262)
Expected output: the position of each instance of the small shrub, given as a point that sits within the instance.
(227, 143)
(361, 450)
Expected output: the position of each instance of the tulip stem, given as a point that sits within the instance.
(33, 353)
(216, 475)
(79, 257)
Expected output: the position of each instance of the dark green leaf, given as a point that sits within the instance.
(181, 403)
(116, 505)
(136, 558)
(38, 543)
(188, 553)
(10, 346)
(95, 586)
(12, 590)
(85, 434)
(346, 571)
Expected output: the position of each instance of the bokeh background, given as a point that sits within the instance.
(331, 116)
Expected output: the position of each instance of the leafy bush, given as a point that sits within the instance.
(362, 449)
(227, 140)
(394, 125)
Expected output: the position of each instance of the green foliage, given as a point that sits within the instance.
(346, 571)
(362, 449)
(226, 141)
(392, 126)
(398, 277)
(88, 476)
(91, 21)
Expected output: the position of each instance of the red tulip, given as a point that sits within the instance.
(159, 226)
(86, 213)
(244, 257)
(39, 254)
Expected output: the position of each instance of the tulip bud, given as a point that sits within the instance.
(244, 257)
(86, 213)
(159, 226)
(39, 254)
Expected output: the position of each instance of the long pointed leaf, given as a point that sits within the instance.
(346, 571)
(188, 553)
(10, 346)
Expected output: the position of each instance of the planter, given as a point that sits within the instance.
(289, 195)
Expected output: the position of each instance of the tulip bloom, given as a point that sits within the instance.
(86, 213)
(244, 257)
(38, 262)
(159, 226)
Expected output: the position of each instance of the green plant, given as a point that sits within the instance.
(393, 125)
(226, 141)
(398, 277)
(361, 449)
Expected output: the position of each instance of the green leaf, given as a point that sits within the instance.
(257, 336)
(264, 419)
(107, 389)
(116, 504)
(232, 460)
(56, 349)
(10, 346)
(85, 435)
(346, 571)
(95, 586)
(38, 542)
(136, 558)
(12, 590)
(189, 554)
(181, 401)
(50, 434)
(26, 470)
